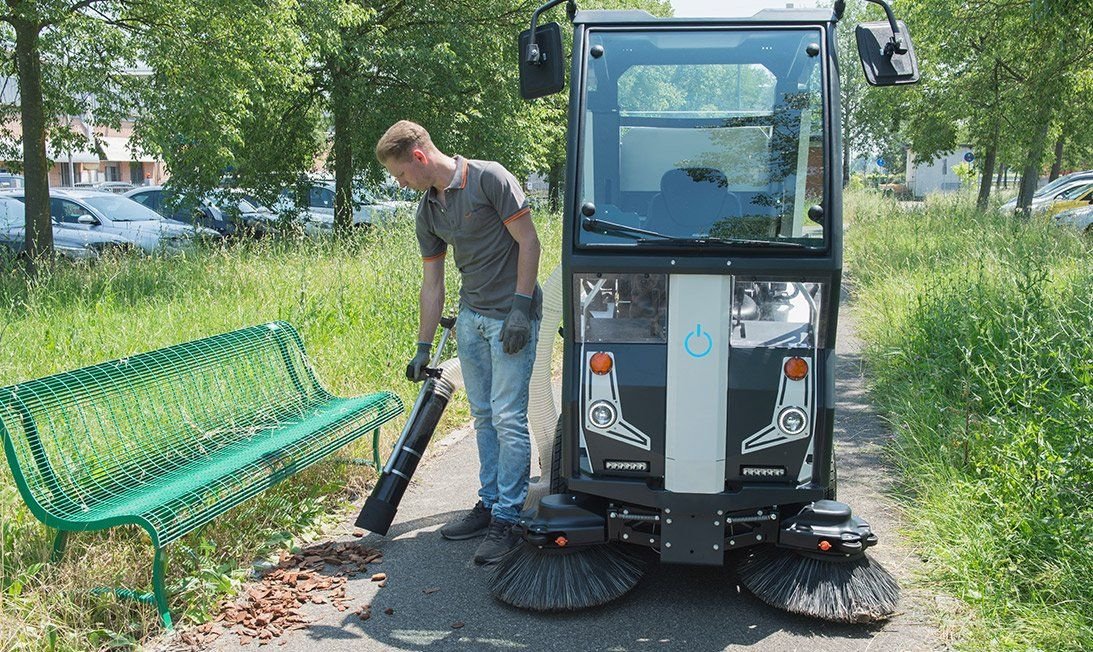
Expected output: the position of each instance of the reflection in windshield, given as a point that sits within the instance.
(708, 135)
(122, 209)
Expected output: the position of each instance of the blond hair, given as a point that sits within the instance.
(400, 139)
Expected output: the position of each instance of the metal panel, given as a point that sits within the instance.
(698, 376)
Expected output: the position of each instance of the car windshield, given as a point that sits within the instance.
(1054, 185)
(121, 209)
(713, 136)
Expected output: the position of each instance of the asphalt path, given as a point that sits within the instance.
(435, 598)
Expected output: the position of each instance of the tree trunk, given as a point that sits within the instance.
(1030, 174)
(1057, 166)
(554, 184)
(39, 228)
(988, 173)
(1001, 171)
(343, 160)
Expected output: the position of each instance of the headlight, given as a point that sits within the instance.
(792, 421)
(621, 307)
(602, 414)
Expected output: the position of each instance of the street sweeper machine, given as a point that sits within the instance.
(701, 267)
(699, 299)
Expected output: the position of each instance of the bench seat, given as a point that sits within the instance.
(170, 439)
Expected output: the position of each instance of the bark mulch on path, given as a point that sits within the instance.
(316, 574)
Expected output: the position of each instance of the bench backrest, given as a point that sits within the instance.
(78, 438)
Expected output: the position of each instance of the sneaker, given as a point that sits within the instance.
(472, 524)
(499, 540)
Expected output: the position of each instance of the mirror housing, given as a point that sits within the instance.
(542, 64)
(887, 54)
(87, 219)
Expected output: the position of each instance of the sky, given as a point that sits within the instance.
(733, 7)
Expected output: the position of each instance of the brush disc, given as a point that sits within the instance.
(531, 578)
(857, 590)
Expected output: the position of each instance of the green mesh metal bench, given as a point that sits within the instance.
(170, 439)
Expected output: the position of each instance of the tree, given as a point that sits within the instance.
(69, 57)
(997, 70)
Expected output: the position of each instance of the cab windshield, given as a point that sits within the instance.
(709, 138)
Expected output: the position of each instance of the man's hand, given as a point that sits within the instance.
(516, 331)
(415, 371)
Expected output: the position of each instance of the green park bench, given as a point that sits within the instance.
(170, 439)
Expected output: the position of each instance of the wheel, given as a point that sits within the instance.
(558, 484)
(833, 484)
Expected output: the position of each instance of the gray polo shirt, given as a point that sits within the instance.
(481, 199)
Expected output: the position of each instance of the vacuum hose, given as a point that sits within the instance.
(380, 508)
(543, 409)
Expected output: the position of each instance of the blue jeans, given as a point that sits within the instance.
(497, 390)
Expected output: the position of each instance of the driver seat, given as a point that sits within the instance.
(690, 200)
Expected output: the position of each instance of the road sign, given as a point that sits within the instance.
(881, 163)
(969, 157)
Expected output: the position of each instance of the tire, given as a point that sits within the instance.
(833, 483)
(558, 484)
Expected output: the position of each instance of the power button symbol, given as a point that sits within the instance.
(693, 344)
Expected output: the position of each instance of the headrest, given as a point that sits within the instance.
(693, 196)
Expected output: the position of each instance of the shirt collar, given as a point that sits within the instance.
(459, 178)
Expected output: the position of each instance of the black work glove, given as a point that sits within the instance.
(516, 331)
(415, 371)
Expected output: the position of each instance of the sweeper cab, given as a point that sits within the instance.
(701, 266)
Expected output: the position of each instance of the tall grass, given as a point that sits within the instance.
(355, 305)
(979, 336)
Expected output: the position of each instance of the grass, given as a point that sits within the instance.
(978, 342)
(355, 305)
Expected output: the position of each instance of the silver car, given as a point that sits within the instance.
(103, 212)
(1042, 198)
(1080, 218)
(67, 243)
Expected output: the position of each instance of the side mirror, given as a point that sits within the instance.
(87, 219)
(887, 54)
(542, 63)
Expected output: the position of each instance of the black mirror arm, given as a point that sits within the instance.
(895, 44)
(534, 57)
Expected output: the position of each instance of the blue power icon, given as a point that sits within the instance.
(696, 348)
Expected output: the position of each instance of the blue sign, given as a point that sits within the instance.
(969, 157)
(881, 163)
(698, 350)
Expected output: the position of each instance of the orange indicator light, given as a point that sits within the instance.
(795, 368)
(561, 541)
(600, 363)
(825, 545)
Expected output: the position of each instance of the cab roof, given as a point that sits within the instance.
(766, 16)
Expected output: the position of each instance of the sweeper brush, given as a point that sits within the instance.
(854, 590)
(529, 577)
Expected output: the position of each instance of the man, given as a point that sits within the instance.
(479, 209)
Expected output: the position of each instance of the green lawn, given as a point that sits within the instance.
(355, 305)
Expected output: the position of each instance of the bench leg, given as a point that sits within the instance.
(376, 450)
(59, 543)
(158, 569)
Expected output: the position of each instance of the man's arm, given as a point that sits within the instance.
(432, 298)
(522, 230)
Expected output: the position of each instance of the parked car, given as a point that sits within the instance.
(67, 243)
(1080, 218)
(240, 208)
(118, 187)
(9, 181)
(1051, 190)
(186, 209)
(104, 212)
(367, 209)
(1076, 197)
